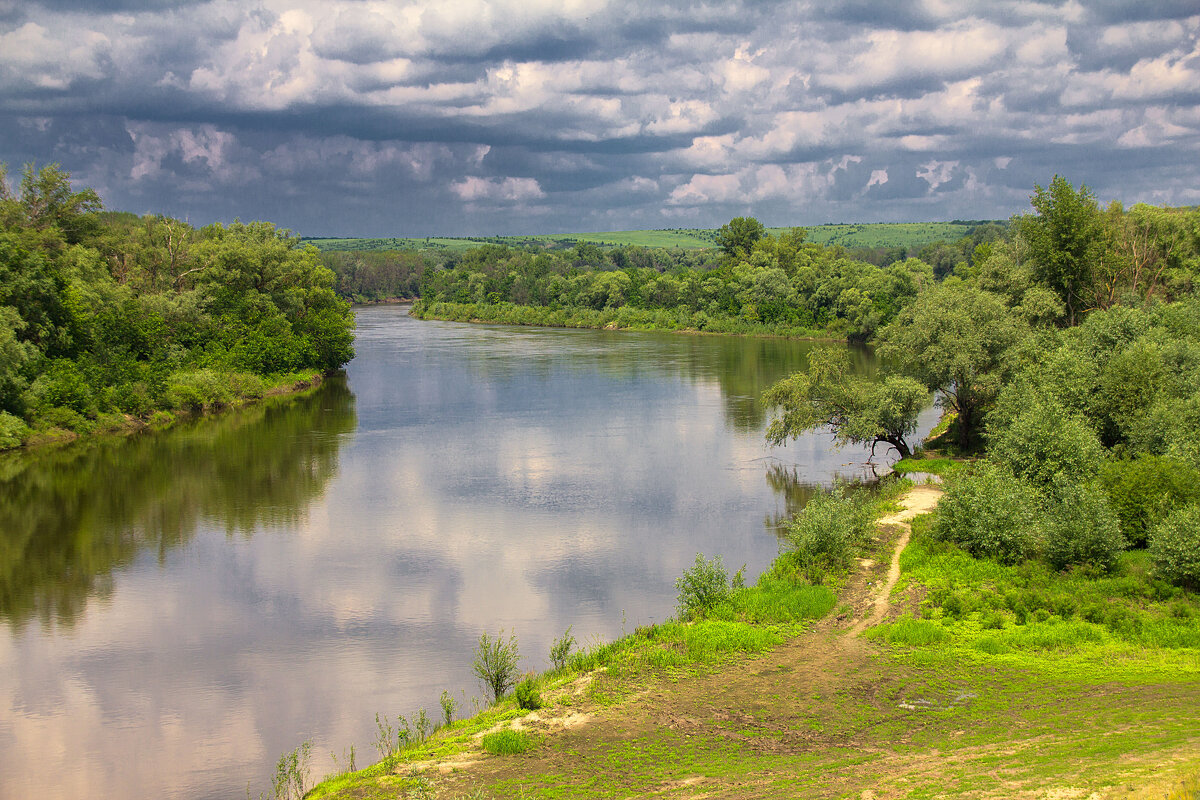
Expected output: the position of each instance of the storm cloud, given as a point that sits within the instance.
(361, 117)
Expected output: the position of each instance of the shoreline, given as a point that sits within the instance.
(121, 425)
(576, 320)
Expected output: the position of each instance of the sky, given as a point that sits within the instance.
(483, 117)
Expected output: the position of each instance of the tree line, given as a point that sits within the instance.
(111, 317)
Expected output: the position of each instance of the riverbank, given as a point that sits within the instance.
(237, 395)
(624, 318)
(928, 674)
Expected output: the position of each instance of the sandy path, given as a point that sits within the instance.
(918, 500)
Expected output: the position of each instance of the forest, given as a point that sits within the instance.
(110, 320)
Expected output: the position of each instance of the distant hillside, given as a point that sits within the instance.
(870, 234)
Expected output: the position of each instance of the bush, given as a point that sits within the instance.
(1175, 547)
(496, 663)
(13, 431)
(1045, 441)
(990, 514)
(1145, 489)
(825, 535)
(528, 696)
(560, 649)
(702, 587)
(1082, 528)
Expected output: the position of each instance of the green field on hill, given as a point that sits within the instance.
(870, 234)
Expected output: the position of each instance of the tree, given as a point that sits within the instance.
(1065, 240)
(954, 339)
(857, 409)
(738, 236)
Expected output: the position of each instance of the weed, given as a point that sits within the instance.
(449, 705)
(495, 663)
(701, 587)
(291, 773)
(388, 740)
(344, 765)
(528, 696)
(507, 742)
(560, 650)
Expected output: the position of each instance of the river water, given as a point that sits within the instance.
(179, 609)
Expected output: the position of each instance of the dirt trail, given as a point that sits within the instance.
(918, 500)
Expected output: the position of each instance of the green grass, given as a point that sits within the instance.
(930, 465)
(507, 742)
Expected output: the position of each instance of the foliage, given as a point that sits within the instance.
(737, 237)
(291, 773)
(1045, 443)
(105, 313)
(1064, 241)
(826, 534)
(990, 513)
(495, 663)
(701, 587)
(527, 694)
(1082, 528)
(507, 742)
(1175, 546)
(389, 739)
(449, 705)
(560, 649)
(858, 410)
(13, 431)
(955, 340)
(1145, 489)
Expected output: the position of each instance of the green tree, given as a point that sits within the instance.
(857, 409)
(954, 339)
(737, 237)
(1065, 240)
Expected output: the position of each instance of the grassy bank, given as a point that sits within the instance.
(984, 681)
(625, 318)
(205, 394)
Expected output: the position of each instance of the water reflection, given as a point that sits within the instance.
(70, 517)
(477, 478)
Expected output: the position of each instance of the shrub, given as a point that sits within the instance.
(1175, 547)
(702, 587)
(495, 663)
(560, 649)
(990, 514)
(528, 696)
(1081, 528)
(1143, 490)
(826, 533)
(13, 431)
(1045, 441)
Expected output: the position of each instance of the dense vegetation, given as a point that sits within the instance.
(755, 283)
(1068, 358)
(110, 318)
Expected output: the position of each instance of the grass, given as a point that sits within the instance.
(931, 465)
(507, 742)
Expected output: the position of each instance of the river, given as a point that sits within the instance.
(179, 609)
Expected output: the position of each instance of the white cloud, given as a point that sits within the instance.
(473, 189)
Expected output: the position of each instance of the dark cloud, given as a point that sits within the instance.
(437, 117)
(905, 15)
